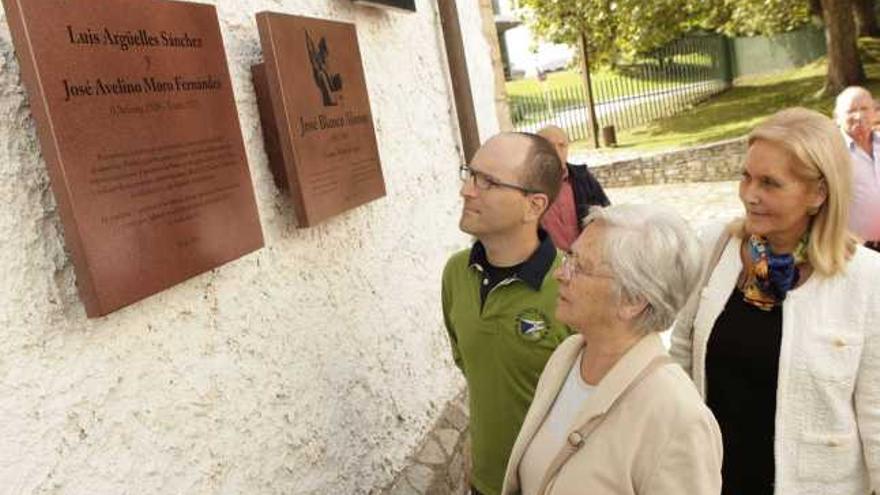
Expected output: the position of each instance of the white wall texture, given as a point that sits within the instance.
(314, 365)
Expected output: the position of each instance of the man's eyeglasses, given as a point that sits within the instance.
(570, 268)
(484, 182)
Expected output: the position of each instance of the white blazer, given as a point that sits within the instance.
(828, 396)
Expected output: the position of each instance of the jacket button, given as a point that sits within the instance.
(834, 443)
(839, 342)
(575, 439)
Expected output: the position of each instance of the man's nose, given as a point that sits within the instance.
(468, 189)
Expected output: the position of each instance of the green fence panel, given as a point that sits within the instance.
(763, 54)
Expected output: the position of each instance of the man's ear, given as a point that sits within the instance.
(537, 205)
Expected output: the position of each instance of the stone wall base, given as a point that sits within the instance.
(715, 162)
(441, 463)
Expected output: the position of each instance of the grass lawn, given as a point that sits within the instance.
(555, 80)
(734, 112)
(607, 84)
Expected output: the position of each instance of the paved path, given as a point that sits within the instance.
(700, 203)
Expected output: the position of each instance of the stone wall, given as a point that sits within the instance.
(709, 163)
(315, 365)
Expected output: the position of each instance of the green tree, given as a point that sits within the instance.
(750, 17)
(614, 28)
(754, 17)
(844, 65)
(866, 18)
(625, 28)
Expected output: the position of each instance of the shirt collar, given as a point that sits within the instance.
(533, 270)
(851, 143)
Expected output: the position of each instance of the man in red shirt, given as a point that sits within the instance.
(580, 190)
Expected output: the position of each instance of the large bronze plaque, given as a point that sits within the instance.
(138, 127)
(315, 108)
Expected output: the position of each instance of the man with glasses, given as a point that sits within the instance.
(499, 296)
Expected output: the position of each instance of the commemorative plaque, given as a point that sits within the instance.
(316, 115)
(138, 127)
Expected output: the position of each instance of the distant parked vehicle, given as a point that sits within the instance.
(553, 64)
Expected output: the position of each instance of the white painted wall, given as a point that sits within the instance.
(314, 365)
(479, 61)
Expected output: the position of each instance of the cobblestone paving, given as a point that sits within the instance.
(702, 203)
(440, 464)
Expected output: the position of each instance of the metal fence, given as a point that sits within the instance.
(664, 83)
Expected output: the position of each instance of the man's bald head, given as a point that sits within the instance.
(854, 111)
(846, 97)
(534, 157)
(559, 139)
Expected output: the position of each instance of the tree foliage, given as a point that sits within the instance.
(751, 17)
(614, 28)
(628, 28)
(625, 29)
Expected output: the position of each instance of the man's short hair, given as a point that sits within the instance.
(542, 169)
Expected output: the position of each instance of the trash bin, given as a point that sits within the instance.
(609, 136)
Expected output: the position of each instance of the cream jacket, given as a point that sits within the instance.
(659, 439)
(828, 396)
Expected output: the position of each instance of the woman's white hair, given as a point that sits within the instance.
(654, 257)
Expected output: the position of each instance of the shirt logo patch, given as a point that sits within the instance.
(531, 324)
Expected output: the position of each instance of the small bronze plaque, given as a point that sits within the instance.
(137, 124)
(312, 88)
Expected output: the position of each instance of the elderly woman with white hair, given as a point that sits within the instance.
(612, 413)
(783, 339)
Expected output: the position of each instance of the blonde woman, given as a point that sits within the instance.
(783, 340)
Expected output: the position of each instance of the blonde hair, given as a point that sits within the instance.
(820, 155)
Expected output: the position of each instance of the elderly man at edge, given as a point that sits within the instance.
(499, 296)
(580, 190)
(612, 413)
(854, 111)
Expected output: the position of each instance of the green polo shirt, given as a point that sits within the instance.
(501, 348)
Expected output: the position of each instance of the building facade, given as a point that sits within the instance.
(314, 365)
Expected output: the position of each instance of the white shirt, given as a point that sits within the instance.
(549, 439)
(864, 217)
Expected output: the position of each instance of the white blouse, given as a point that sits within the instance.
(555, 429)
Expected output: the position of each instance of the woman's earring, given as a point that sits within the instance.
(813, 210)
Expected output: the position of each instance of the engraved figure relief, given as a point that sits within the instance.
(327, 82)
